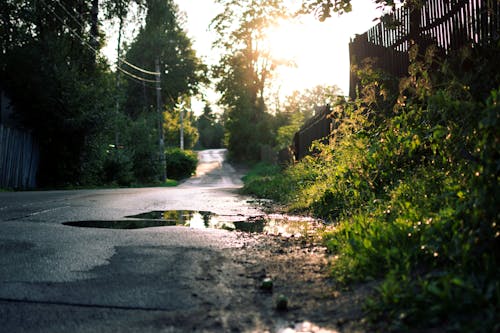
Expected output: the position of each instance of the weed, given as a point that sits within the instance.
(410, 179)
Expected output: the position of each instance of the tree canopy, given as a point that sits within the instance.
(323, 9)
(162, 38)
(243, 71)
(210, 129)
(65, 93)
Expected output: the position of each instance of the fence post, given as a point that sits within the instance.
(415, 28)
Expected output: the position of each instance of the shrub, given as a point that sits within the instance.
(117, 168)
(180, 163)
(412, 187)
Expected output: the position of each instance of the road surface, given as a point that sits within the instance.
(59, 278)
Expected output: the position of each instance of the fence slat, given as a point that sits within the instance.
(19, 157)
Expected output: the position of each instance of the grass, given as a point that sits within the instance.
(170, 183)
(412, 189)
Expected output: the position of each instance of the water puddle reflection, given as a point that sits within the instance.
(120, 224)
(276, 225)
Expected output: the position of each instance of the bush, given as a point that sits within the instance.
(117, 168)
(411, 184)
(180, 163)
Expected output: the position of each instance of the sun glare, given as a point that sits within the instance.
(318, 50)
(313, 55)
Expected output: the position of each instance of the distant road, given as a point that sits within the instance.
(213, 170)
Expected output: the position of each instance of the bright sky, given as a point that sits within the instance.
(320, 49)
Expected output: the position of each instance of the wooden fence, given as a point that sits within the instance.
(317, 128)
(19, 157)
(449, 24)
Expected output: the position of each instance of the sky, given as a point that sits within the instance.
(319, 49)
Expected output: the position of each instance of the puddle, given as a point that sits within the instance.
(188, 218)
(276, 225)
(121, 224)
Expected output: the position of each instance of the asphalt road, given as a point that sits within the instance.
(59, 278)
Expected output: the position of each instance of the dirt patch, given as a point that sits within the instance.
(299, 269)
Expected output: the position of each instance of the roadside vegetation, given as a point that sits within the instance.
(96, 125)
(181, 163)
(410, 180)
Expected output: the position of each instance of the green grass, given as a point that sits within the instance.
(170, 183)
(264, 180)
(412, 190)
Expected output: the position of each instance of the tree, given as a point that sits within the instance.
(172, 126)
(210, 128)
(163, 38)
(299, 107)
(47, 54)
(323, 8)
(243, 72)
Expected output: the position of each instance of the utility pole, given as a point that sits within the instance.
(163, 161)
(182, 126)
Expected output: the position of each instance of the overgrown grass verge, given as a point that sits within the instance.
(410, 179)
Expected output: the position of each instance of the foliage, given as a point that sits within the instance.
(162, 38)
(299, 107)
(410, 179)
(49, 52)
(172, 127)
(69, 103)
(323, 9)
(117, 168)
(210, 129)
(266, 181)
(180, 163)
(140, 141)
(243, 73)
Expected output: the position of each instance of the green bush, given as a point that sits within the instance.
(410, 180)
(426, 226)
(180, 163)
(117, 168)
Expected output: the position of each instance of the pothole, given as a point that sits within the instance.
(277, 225)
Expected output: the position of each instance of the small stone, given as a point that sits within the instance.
(267, 284)
(282, 303)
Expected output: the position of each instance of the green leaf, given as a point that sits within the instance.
(367, 243)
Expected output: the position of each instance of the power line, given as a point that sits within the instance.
(119, 58)
(73, 32)
(138, 68)
(141, 82)
(135, 76)
(69, 14)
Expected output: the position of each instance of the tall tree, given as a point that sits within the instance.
(47, 55)
(243, 72)
(210, 128)
(162, 37)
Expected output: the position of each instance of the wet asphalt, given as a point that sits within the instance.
(59, 278)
